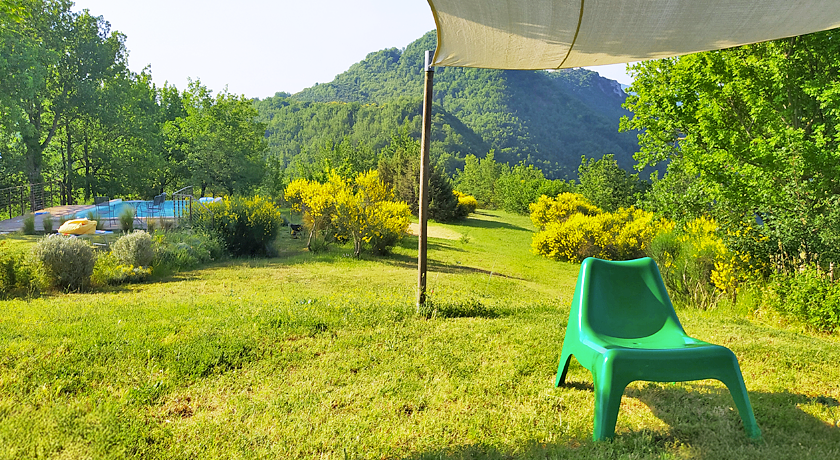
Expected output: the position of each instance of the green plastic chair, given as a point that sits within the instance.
(623, 328)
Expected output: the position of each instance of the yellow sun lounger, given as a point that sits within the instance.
(81, 226)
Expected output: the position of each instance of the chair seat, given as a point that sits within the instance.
(651, 343)
(688, 362)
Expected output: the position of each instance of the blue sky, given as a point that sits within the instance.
(258, 47)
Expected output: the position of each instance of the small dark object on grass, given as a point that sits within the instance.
(295, 229)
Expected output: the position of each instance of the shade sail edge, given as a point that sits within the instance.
(551, 34)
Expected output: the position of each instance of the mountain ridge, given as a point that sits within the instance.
(546, 118)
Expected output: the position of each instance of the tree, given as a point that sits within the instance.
(478, 178)
(521, 185)
(102, 147)
(11, 11)
(222, 141)
(366, 210)
(606, 185)
(757, 126)
(56, 60)
(399, 167)
(680, 195)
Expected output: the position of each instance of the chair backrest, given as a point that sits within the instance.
(159, 199)
(101, 200)
(625, 299)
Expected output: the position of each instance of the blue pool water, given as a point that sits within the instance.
(140, 207)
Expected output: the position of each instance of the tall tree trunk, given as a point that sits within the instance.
(68, 170)
(88, 170)
(34, 149)
(34, 154)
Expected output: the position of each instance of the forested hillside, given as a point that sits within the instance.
(549, 119)
(300, 134)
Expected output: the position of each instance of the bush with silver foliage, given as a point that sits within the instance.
(67, 262)
(134, 249)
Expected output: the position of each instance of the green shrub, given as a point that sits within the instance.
(109, 270)
(806, 296)
(183, 250)
(246, 226)
(134, 249)
(47, 223)
(28, 224)
(67, 262)
(127, 219)
(152, 225)
(17, 276)
(361, 211)
(693, 262)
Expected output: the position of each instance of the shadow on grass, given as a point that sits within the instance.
(410, 262)
(334, 253)
(703, 417)
(473, 222)
(701, 424)
(468, 308)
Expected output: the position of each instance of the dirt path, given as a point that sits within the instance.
(435, 232)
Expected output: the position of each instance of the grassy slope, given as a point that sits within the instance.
(324, 356)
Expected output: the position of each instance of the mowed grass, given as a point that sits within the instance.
(325, 356)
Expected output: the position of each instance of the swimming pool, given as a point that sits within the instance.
(140, 207)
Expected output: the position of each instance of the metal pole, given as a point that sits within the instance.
(422, 213)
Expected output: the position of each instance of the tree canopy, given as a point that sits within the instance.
(73, 111)
(753, 130)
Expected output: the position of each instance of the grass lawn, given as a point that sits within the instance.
(325, 356)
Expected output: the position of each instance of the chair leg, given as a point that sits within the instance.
(608, 391)
(608, 394)
(734, 381)
(565, 359)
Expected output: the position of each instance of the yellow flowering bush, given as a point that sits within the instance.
(548, 210)
(696, 264)
(466, 203)
(573, 239)
(571, 229)
(387, 224)
(366, 210)
(362, 210)
(246, 226)
(316, 201)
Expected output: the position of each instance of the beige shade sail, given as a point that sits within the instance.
(554, 34)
